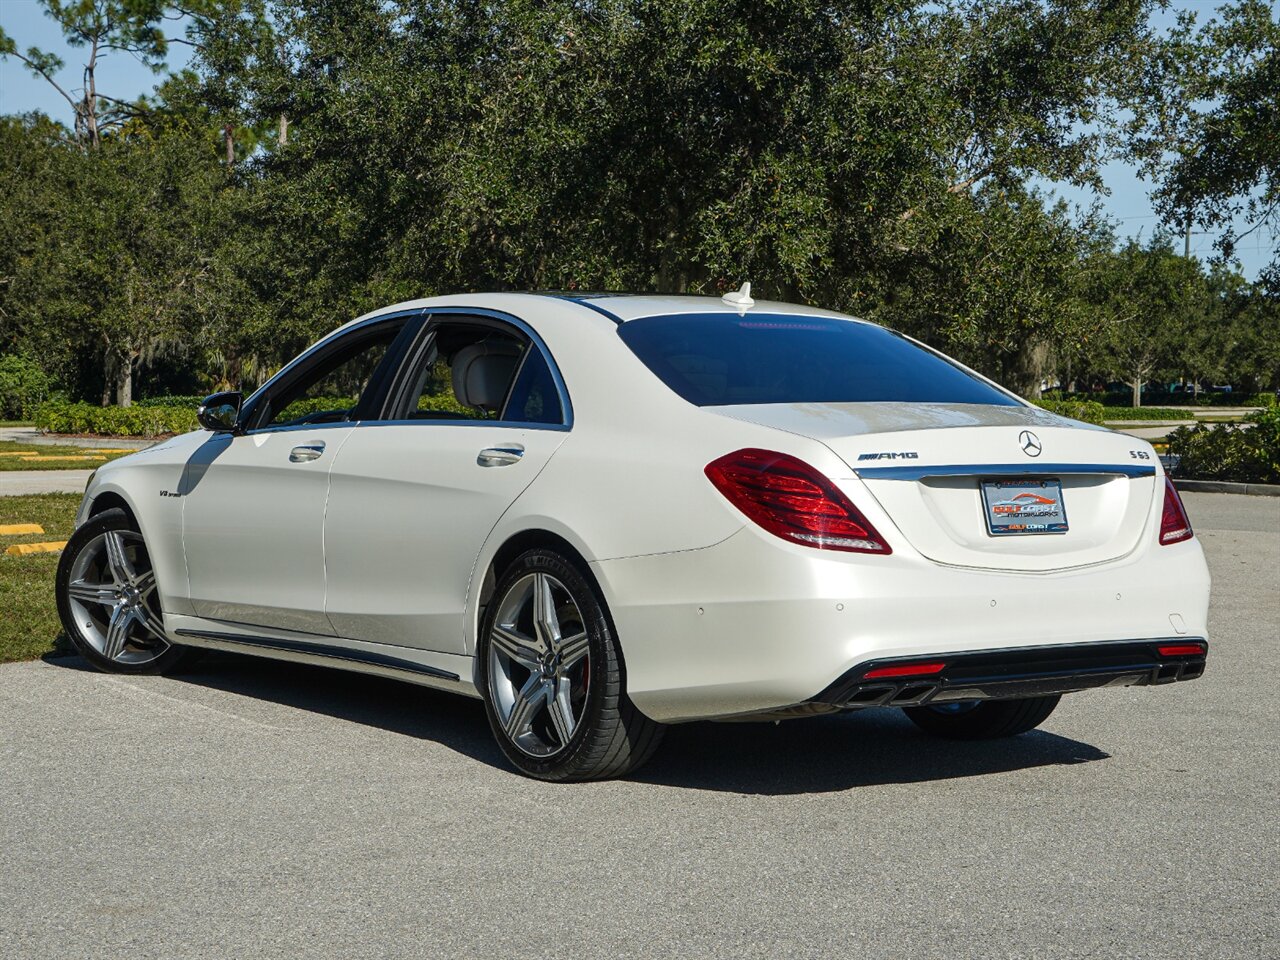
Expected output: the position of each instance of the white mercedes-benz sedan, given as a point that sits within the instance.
(604, 514)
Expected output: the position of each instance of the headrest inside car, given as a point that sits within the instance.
(482, 373)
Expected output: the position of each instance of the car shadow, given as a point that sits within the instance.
(813, 755)
(841, 752)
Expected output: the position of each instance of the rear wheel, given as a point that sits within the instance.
(982, 719)
(552, 676)
(108, 602)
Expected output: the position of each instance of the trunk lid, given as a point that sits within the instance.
(925, 465)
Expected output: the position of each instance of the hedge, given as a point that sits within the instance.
(135, 421)
(1147, 413)
(1247, 453)
(150, 419)
(1090, 411)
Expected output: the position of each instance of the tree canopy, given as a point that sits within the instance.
(877, 157)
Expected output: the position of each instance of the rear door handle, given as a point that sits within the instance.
(502, 456)
(306, 452)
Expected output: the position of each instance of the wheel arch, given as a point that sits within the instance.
(111, 500)
(514, 544)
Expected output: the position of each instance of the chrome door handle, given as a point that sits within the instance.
(306, 452)
(502, 456)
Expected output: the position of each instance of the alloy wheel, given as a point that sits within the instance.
(112, 595)
(539, 665)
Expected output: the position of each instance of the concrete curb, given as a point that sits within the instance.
(1224, 486)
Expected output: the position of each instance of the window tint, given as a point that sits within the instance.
(329, 391)
(713, 359)
(534, 398)
(464, 374)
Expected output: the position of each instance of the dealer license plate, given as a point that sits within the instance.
(1015, 507)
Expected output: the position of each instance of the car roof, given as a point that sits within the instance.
(633, 306)
(618, 307)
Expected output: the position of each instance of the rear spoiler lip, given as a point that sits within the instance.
(1003, 470)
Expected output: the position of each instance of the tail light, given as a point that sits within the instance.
(793, 501)
(1174, 525)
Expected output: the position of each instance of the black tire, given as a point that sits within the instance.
(986, 720)
(611, 738)
(143, 652)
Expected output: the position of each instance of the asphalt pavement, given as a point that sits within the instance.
(252, 809)
(20, 483)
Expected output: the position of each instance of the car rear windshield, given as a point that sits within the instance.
(714, 359)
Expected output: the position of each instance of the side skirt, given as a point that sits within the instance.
(441, 671)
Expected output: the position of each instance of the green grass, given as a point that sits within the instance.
(30, 626)
(17, 423)
(10, 462)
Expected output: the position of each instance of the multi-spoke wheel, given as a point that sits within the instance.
(552, 675)
(107, 598)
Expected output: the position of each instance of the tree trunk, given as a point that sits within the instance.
(1137, 392)
(124, 382)
(108, 375)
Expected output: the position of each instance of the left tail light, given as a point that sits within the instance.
(793, 501)
(1174, 525)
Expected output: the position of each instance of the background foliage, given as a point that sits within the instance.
(876, 156)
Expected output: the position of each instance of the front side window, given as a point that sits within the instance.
(329, 389)
(715, 359)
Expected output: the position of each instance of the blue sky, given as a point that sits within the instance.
(124, 77)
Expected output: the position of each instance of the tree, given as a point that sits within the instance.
(1153, 298)
(1206, 122)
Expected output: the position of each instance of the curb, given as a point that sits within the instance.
(1225, 486)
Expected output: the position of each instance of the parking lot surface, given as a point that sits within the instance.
(253, 809)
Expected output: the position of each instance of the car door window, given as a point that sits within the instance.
(480, 371)
(328, 388)
(534, 397)
(463, 372)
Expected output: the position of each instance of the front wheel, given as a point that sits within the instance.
(982, 719)
(108, 602)
(552, 676)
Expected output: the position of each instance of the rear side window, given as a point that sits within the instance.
(714, 359)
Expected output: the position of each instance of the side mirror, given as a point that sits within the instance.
(220, 411)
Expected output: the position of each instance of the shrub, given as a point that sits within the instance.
(136, 421)
(1147, 413)
(171, 401)
(1248, 452)
(23, 387)
(1090, 411)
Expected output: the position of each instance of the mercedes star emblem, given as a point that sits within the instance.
(1029, 443)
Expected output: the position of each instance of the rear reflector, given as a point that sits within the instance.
(904, 670)
(1174, 525)
(1181, 650)
(792, 500)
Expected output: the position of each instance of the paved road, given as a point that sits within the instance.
(17, 483)
(257, 810)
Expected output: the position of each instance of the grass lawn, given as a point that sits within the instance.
(13, 456)
(31, 626)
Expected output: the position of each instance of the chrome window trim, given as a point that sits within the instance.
(444, 422)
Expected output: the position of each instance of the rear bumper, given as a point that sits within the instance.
(1020, 672)
(754, 624)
